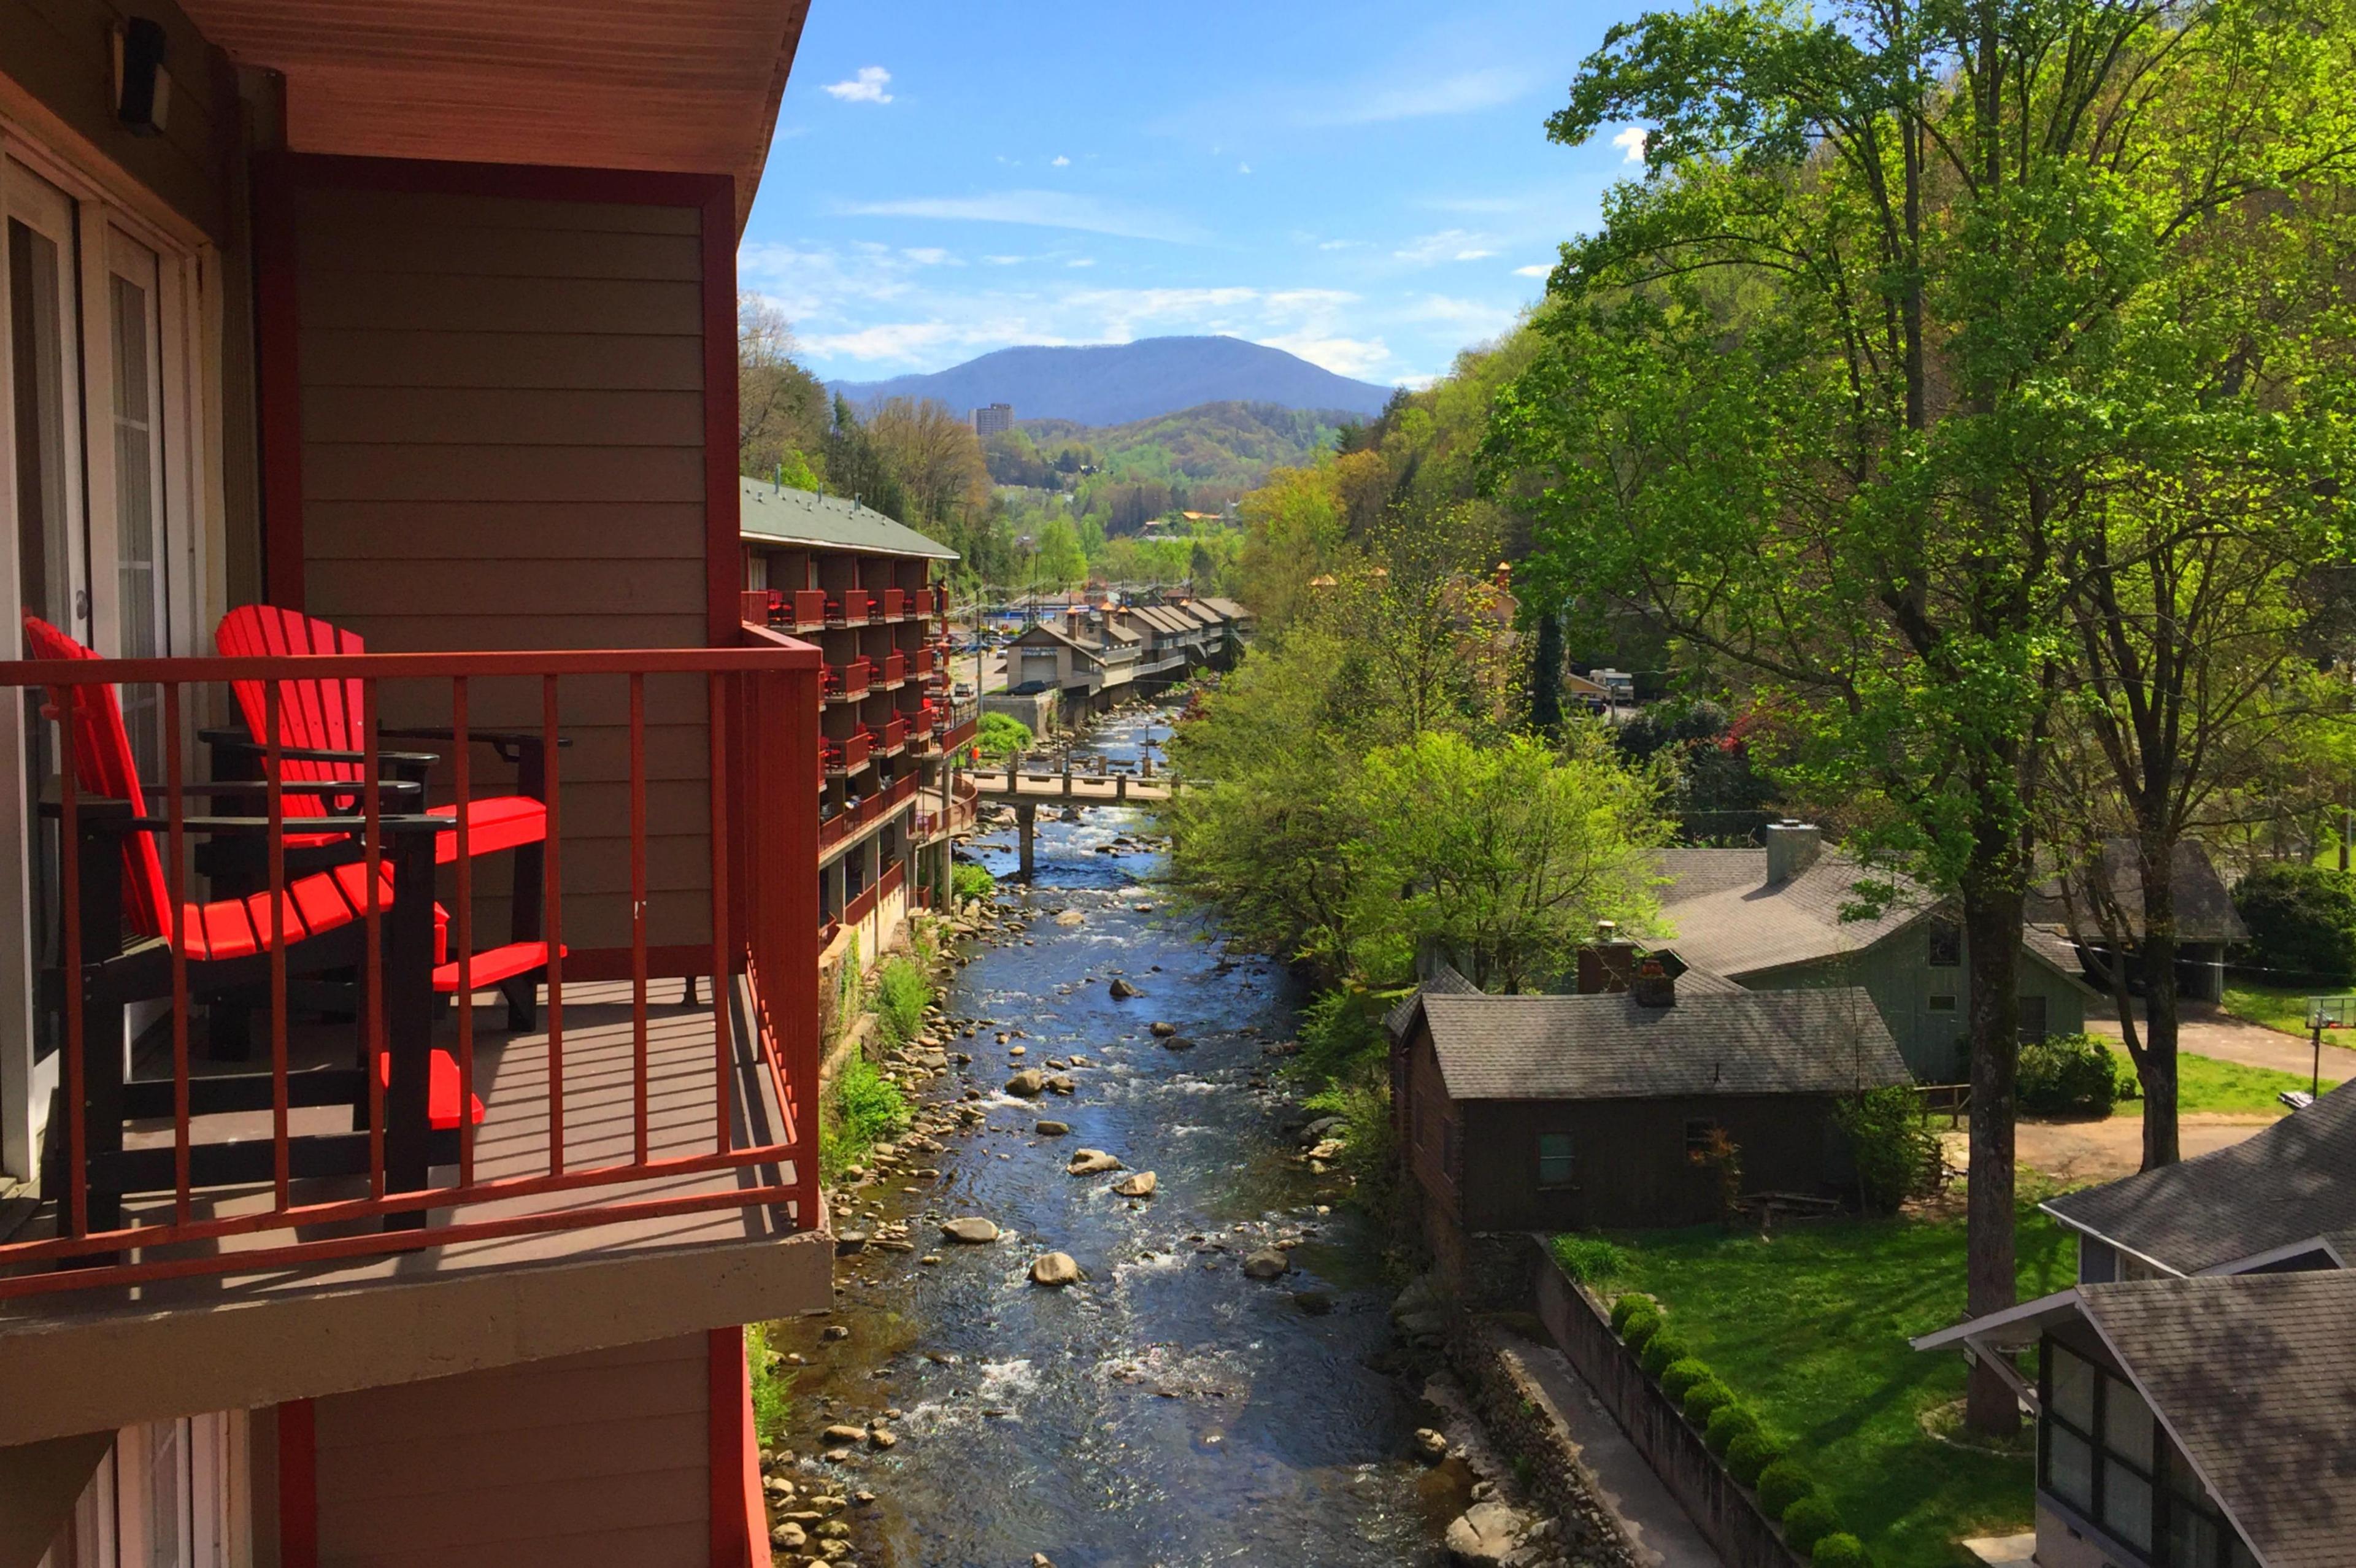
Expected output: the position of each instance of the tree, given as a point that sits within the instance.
(857, 467)
(1504, 855)
(936, 459)
(1062, 561)
(781, 410)
(1831, 394)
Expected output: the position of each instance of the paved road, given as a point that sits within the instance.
(2206, 1032)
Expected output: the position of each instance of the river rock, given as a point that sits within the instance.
(1163, 1029)
(1089, 1161)
(844, 1433)
(1318, 1131)
(847, 1242)
(1138, 1186)
(1071, 917)
(882, 1437)
(972, 1230)
(1431, 1446)
(1178, 1042)
(1027, 1084)
(790, 1536)
(1486, 1534)
(1121, 990)
(1267, 1263)
(1054, 1269)
(1047, 1129)
(1315, 1303)
(1060, 1084)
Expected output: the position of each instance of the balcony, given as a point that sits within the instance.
(386, 1135)
(924, 661)
(838, 758)
(896, 604)
(851, 610)
(894, 672)
(852, 824)
(845, 683)
(894, 739)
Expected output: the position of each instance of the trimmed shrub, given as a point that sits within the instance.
(1839, 1549)
(1659, 1352)
(1682, 1374)
(1627, 1307)
(1750, 1456)
(1727, 1423)
(2302, 922)
(2067, 1075)
(1706, 1399)
(1808, 1521)
(1642, 1327)
(1894, 1145)
(968, 881)
(1781, 1485)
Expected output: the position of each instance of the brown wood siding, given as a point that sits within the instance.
(1628, 1166)
(502, 448)
(573, 1463)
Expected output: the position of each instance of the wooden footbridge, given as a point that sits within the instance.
(1026, 789)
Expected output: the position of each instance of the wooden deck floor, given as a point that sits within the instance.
(513, 1080)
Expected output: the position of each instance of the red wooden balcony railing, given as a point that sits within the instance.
(895, 670)
(894, 877)
(920, 723)
(843, 682)
(922, 662)
(587, 1116)
(809, 608)
(862, 906)
(847, 756)
(895, 737)
(853, 608)
(896, 604)
(959, 734)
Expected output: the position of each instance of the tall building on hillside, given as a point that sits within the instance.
(995, 420)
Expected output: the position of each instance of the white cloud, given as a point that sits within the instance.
(865, 87)
(1081, 262)
(1243, 168)
(1004, 260)
(1342, 356)
(1336, 244)
(931, 256)
(1060, 162)
(1448, 245)
(1538, 270)
(897, 340)
(1465, 93)
(1630, 141)
(1039, 208)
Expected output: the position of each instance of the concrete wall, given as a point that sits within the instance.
(1037, 709)
(502, 447)
(1726, 1513)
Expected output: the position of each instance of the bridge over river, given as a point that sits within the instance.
(1026, 789)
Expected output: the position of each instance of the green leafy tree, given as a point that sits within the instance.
(1832, 394)
(1504, 857)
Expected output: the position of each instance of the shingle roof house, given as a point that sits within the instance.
(2196, 1390)
(1560, 1113)
(2207, 1421)
(2207, 924)
(1779, 919)
(2287, 1192)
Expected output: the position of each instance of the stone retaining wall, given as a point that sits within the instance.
(1514, 1412)
(1725, 1512)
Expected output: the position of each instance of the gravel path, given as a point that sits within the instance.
(2206, 1032)
(2080, 1152)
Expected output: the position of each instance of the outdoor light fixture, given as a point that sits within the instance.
(143, 89)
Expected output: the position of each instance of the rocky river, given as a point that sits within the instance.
(1167, 1407)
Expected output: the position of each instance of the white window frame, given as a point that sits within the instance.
(106, 202)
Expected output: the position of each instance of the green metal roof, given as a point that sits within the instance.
(772, 514)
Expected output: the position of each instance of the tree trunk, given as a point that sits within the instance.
(2155, 956)
(1992, 934)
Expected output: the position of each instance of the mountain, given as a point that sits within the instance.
(1218, 444)
(1120, 383)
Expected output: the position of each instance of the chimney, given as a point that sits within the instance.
(1792, 848)
(1607, 963)
(1654, 986)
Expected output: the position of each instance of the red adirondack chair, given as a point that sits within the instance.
(322, 733)
(319, 921)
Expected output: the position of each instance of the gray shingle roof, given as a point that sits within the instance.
(1444, 981)
(2254, 1376)
(1730, 922)
(1228, 608)
(771, 514)
(1829, 1039)
(2204, 909)
(2293, 1182)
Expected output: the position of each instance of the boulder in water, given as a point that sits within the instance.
(1054, 1269)
(1027, 1084)
(1267, 1263)
(1138, 1186)
(972, 1230)
(1487, 1532)
(1121, 990)
(1163, 1029)
(1090, 1161)
(1051, 1129)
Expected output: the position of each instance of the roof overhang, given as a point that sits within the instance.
(792, 541)
(687, 87)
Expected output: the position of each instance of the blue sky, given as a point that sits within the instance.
(1366, 184)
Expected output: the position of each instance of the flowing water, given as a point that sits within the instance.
(1166, 1410)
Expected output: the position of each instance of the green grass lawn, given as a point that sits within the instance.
(1809, 1329)
(2276, 1007)
(2205, 1084)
